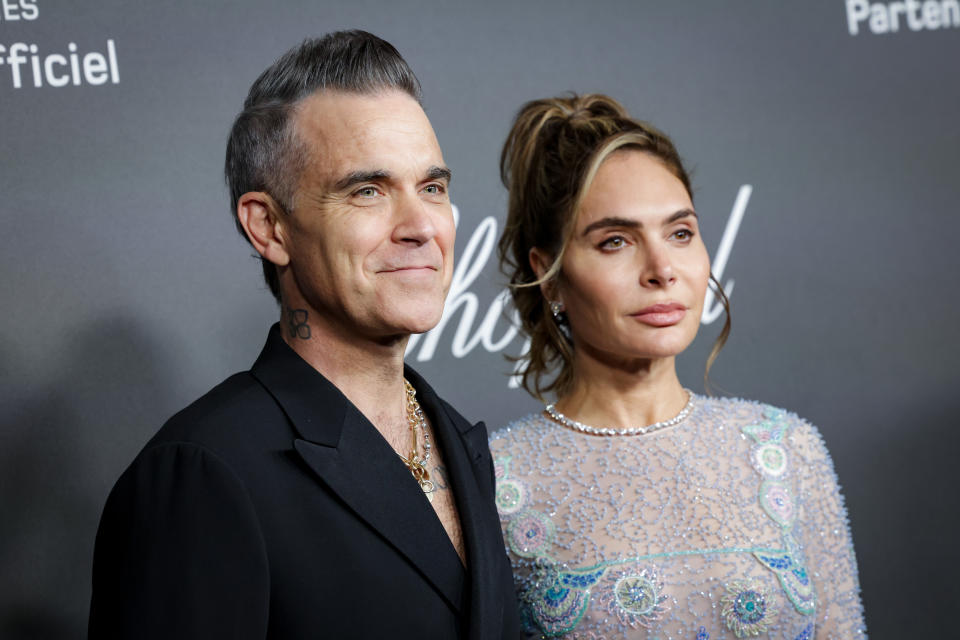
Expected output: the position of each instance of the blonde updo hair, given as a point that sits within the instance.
(549, 161)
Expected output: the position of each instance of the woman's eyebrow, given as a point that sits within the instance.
(612, 221)
(630, 223)
(679, 215)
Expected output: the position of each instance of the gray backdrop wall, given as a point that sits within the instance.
(825, 139)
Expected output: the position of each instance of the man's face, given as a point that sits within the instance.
(371, 234)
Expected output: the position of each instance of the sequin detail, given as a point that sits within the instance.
(557, 600)
(776, 500)
(702, 634)
(793, 579)
(806, 634)
(501, 467)
(633, 595)
(559, 609)
(530, 534)
(765, 431)
(748, 609)
(636, 595)
(770, 459)
(511, 497)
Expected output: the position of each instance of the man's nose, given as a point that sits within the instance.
(414, 220)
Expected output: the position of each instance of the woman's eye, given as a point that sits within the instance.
(614, 242)
(683, 234)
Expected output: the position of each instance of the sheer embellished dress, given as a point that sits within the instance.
(729, 524)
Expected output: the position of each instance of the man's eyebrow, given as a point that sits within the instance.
(630, 223)
(439, 173)
(379, 175)
(356, 177)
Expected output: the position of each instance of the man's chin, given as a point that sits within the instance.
(414, 323)
(415, 313)
(422, 325)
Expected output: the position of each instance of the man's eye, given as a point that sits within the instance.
(366, 192)
(434, 189)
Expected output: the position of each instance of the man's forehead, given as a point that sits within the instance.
(364, 132)
(333, 113)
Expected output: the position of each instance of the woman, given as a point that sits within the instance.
(633, 508)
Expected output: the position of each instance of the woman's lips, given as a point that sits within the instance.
(661, 315)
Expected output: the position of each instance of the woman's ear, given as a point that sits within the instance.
(540, 262)
(259, 216)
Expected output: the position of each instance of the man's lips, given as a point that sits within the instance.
(413, 267)
(663, 314)
(411, 271)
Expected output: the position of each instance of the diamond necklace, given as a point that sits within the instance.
(629, 431)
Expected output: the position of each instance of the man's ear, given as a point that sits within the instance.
(540, 262)
(259, 216)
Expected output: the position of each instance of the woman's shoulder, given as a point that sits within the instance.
(517, 432)
(762, 422)
(532, 422)
(750, 411)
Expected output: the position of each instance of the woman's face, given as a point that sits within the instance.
(634, 276)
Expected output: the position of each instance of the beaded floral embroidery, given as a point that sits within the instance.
(556, 599)
(510, 497)
(634, 595)
(748, 609)
(771, 460)
(776, 500)
(530, 534)
(511, 494)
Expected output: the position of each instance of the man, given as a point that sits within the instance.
(311, 496)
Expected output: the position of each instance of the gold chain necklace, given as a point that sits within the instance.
(414, 462)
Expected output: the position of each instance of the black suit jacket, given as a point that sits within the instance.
(272, 508)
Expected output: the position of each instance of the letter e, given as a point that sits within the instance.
(10, 10)
(914, 17)
(931, 14)
(95, 68)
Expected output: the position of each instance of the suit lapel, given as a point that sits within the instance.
(350, 457)
(463, 445)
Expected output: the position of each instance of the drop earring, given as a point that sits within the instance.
(558, 310)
